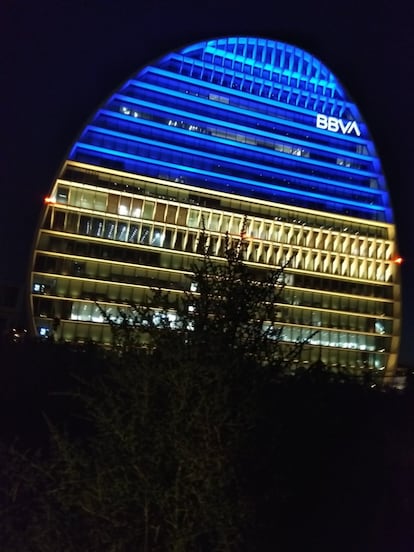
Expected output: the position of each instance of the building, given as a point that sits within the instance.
(209, 134)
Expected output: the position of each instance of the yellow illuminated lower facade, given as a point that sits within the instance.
(107, 238)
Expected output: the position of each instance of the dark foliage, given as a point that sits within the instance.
(194, 435)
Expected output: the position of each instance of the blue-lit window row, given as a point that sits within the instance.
(275, 133)
(168, 115)
(168, 105)
(268, 94)
(165, 150)
(247, 149)
(162, 140)
(180, 96)
(226, 183)
(341, 161)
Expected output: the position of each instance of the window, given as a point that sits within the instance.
(145, 235)
(97, 227)
(62, 194)
(193, 218)
(58, 220)
(148, 212)
(122, 231)
(38, 288)
(157, 237)
(109, 229)
(124, 206)
(133, 233)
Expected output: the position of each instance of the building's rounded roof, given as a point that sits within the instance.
(243, 115)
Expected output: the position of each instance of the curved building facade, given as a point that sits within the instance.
(212, 134)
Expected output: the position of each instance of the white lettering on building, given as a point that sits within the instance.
(337, 125)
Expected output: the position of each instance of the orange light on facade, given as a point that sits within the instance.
(398, 260)
(49, 199)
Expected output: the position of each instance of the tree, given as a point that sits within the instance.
(160, 461)
(191, 434)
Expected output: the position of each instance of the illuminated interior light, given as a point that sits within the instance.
(231, 178)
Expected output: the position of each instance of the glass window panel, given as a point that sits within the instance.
(87, 199)
(182, 216)
(62, 194)
(96, 314)
(112, 203)
(148, 212)
(85, 225)
(75, 197)
(160, 212)
(75, 311)
(133, 233)
(109, 229)
(145, 235)
(100, 201)
(171, 214)
(343, 340)
(97, 227)
(59, 220)
(72, 222)
(168, 239)
(122, 231)
(124, 206)
(136, 208)
(157, 237)
(193, 218)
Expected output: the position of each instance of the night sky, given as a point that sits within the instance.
(60, 59)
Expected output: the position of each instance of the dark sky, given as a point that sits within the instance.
(60, 59)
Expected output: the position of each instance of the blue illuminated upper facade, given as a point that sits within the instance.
(246, 116)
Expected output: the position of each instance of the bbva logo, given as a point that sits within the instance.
(337, 125)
